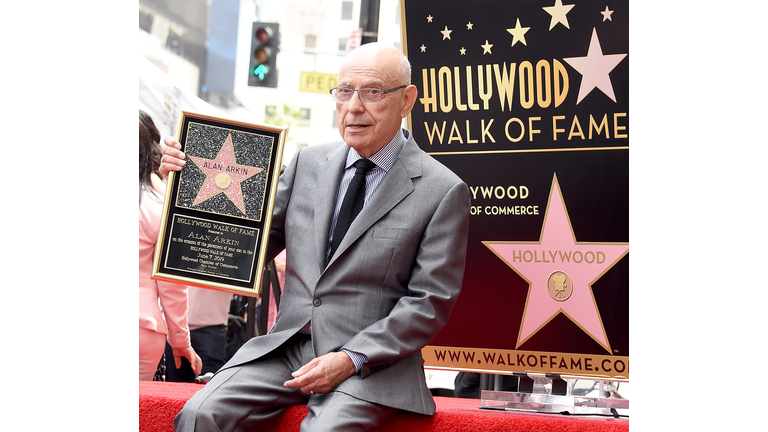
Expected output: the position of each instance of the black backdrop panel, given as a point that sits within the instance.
(513, 97)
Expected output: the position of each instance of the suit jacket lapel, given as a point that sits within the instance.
(328, 179)
(396, 185)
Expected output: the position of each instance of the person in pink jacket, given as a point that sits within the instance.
(156, 324)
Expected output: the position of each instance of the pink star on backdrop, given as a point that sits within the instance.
(595, 68)
(607, 14)
(536, 261)
(224, 163)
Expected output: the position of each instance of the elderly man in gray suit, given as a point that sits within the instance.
(357, 306)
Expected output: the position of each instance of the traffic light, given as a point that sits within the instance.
(265, 44)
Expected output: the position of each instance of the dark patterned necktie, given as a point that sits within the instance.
(352, 204)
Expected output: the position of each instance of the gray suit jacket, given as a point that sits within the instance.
(393, 281)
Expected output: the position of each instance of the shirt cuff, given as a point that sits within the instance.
(358, 359)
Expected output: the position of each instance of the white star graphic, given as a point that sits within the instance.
(518, 33)
(594, 69)
(446, 33)
(463, 51)
(558, 12)
(423, 48)
(429, 18)
(607, 14)
(486, 47)
(469, 26)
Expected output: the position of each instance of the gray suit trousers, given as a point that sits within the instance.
(242, 398)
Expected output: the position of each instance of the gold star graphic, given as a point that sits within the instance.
(518, 33)
(558, 12)
(486, 47)
(446, 33)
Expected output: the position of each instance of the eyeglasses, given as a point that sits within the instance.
(367, 95)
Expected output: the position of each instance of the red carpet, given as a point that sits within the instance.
(159, 402)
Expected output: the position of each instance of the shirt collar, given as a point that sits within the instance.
(385, 157)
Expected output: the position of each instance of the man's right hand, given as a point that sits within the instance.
(173, 158)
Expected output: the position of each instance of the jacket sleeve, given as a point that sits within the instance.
(175, 302)
(173, 297)
(276, 242)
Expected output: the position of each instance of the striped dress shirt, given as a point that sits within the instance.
(384, 159)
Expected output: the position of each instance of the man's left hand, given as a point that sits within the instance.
(323, 374)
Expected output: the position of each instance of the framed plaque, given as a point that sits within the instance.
(218, 208)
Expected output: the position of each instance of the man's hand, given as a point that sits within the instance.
(173, 158)
(191, 355)
(323, 374)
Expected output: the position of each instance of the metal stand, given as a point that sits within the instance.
(551, 393)
(256, 323)
(525, 385)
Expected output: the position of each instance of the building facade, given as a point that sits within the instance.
(194, 43)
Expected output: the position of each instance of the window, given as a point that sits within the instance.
(305, 114)
(343, 44)
(335, 124)
(346, 10)
(310, 41)
(145, 20)
(174, 42)
(270, 114)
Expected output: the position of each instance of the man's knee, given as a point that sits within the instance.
(185, 419)
(198, 413)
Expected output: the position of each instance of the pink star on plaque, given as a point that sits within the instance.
(560, 272)
(224, 174)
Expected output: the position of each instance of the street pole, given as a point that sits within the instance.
(369, 20)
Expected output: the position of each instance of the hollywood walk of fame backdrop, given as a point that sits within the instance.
(218, 208)
(527, 102)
